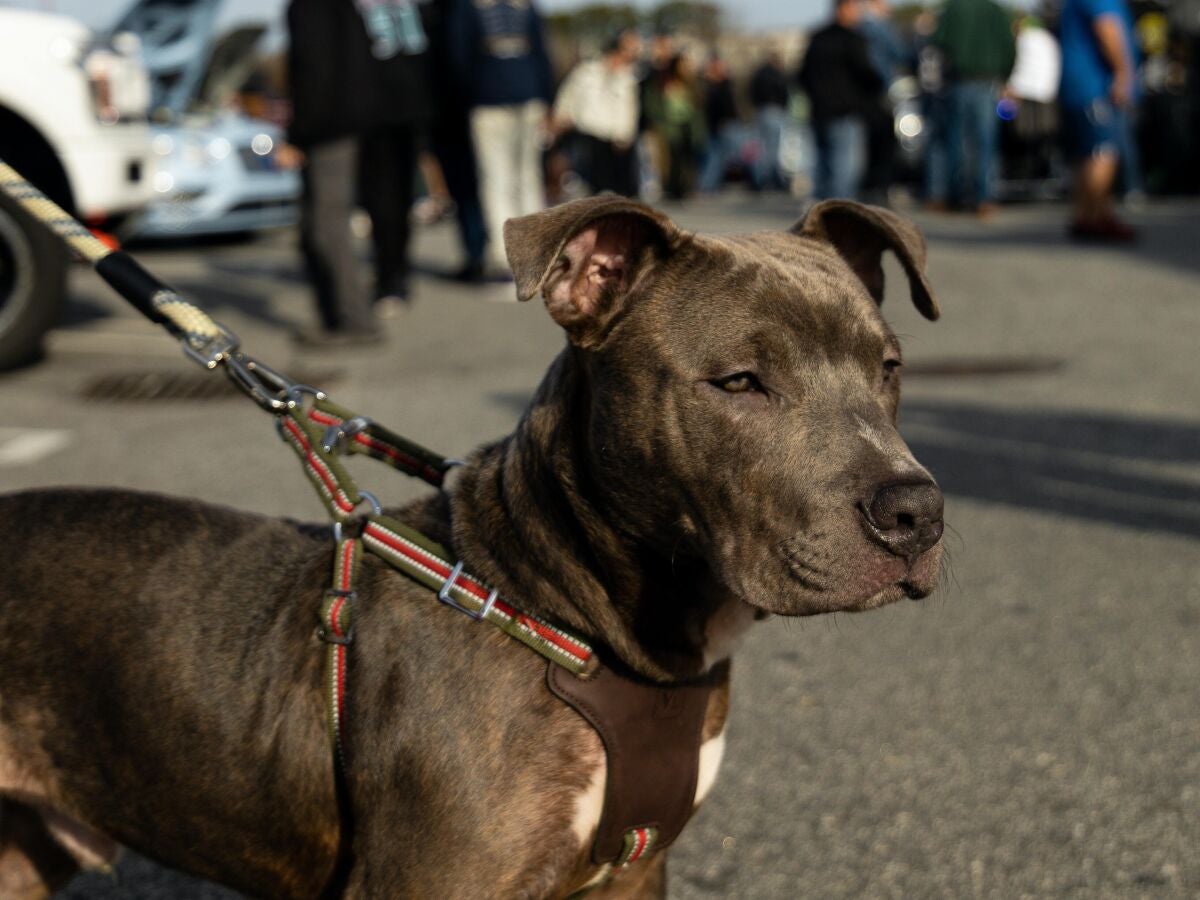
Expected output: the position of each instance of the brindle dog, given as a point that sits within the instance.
(716, 443)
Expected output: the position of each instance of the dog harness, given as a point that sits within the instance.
(651, 733)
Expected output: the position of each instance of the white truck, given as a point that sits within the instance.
(73, 120)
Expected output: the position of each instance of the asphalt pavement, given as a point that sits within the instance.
(1032, 730)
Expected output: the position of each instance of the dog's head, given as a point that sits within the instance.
(742, 395)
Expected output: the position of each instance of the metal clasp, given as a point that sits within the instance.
(271, 390)
(445, 596)
(244, 372)
(221, 347)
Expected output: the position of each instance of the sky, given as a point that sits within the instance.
(745, 14)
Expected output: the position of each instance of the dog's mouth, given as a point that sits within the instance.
(864, 581)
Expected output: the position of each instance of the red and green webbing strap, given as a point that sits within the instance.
(337, 631)
(422, 559)
(428, 562)
(638, 843)
(334, 485)
(356, 434)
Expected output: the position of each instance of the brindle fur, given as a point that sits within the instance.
(161, 685)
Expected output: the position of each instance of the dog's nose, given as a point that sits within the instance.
(905, 519)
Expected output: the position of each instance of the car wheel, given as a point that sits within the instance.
(33, 283)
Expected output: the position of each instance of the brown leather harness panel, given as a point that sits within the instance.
(651, 736)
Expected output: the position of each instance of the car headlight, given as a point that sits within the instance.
(163, 145)
(219, 148)
(910, 125)
(262, 144)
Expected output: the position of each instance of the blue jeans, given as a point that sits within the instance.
(767, 173)
(971, 132)
(841, 156)
(722, 147)
(935, 165)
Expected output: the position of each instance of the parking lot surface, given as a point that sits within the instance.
(1031, 730)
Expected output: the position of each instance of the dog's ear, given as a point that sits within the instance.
(583, 257)
(860, 234)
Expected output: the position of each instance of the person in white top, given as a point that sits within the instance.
(1033, 89)
(1038, 68)
(598, 101)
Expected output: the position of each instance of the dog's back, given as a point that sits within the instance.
(137, 628)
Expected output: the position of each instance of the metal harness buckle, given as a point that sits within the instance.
(326, 634)
(445, 596)
(335, 434)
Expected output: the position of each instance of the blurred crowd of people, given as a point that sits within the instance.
(464, 92)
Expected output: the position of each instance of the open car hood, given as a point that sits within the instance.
(188, 65)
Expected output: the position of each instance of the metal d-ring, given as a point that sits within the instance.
(376, 506)
(445, 596)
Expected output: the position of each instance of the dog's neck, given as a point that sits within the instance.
(528, 516)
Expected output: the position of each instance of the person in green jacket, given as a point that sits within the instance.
(976, 40)
(674, 110)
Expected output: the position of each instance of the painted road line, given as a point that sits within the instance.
(22, 446)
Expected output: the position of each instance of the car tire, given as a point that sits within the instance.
(33, 283)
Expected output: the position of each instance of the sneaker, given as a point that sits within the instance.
(471, 273)
(392, 306)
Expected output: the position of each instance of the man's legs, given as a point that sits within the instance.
(716, 158)
(935, 167)
(984, 131)
(388, 168)
(530, 194)
(881, 154)
(452, 144)
(957, 113)
(495, 133)
(847, 138)
(770, 136)
(1095, 142)
(330, 178)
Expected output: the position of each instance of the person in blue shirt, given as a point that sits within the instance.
(1097, 94)
(499, 61)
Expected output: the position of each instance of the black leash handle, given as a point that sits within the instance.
(206, 341)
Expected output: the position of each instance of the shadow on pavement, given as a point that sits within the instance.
(1166, 237)
(1084, 465)
(1116, 469)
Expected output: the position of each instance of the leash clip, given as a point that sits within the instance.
(247, 373)
(220, 348)
(445, 596)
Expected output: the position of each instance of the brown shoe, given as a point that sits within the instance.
(1108, 230)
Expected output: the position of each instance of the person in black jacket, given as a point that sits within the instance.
(721, 118)
(769, 97)
(842, 86)
(359, 90)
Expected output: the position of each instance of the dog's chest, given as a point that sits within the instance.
(588, 804)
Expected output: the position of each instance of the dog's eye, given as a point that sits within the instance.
(890, 369)
(739, 383)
